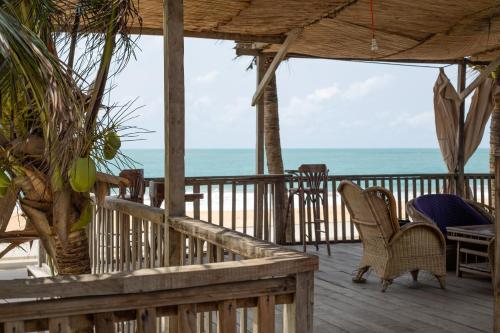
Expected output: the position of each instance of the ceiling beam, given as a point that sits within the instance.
(253, 52)
(478, 80)
(270, 39)
(280, 55)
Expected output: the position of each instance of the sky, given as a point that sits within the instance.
(322, 103)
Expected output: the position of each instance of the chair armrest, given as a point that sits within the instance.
(416, 227)
(485, 210)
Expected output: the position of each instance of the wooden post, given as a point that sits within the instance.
(173, 48)
(304, 302)
(259, 108)
(280, 201)
(459, 172)
(259, 151)
(495, 140)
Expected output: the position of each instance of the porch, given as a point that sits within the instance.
(466, 305)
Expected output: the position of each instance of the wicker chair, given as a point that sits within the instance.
(446, 210)
(388, 249)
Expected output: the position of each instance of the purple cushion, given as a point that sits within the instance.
(448, 210)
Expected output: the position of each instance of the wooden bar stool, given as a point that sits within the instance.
(157, 194)
(136, 188)
(312, 192)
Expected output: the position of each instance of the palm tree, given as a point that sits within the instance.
(272, 140)
(54, 129)
(494, 132)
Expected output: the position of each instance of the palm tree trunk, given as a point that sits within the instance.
(72, 257)
(494, 139)
(272, 140)
(272, 143)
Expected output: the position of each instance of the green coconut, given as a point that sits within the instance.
(496, 73)
(112, 143)
(84, 218)
(4, 179)
(82, 174)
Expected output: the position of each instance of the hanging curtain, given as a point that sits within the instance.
(447, 113)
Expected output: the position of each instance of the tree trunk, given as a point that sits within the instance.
(494, 139)
(274, 158)
(272, 140)
(72, 258)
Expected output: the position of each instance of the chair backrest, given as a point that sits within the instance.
(446, 210)
(373, 210)
(137, 187)
(315, 175)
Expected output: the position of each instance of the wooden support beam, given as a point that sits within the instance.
(280, 55)
(461, 132)
(271, 39)
(304, 302)
(495, 139)
(259, 109)
(173, 40)
(478, 80)
(173, 46)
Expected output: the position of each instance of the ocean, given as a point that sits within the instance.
(232, 162)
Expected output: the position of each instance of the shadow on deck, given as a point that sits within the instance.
(342, 306)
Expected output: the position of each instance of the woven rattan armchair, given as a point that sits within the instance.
(388, 249)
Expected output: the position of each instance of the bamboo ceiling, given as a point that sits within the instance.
(441, 30)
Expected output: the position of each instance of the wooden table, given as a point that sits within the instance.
(157, 194)
(474, 241)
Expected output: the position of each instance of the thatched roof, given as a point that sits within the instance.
(405, 29)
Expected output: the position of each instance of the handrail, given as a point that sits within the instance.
(220, 270)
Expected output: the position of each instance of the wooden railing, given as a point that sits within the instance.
(222, 280)
(234, 203)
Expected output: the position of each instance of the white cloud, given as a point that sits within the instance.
(421, 119)
(362, 88)
(324, 94)
(207, 77)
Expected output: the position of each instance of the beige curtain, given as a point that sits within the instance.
(447, 112)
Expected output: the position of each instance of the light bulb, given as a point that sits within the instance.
(374, 44)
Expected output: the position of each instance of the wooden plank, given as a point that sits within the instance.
(146, 320)
(104, 322)
(148, 280)
(280, 55)
(227, 317)
(14, 327)
(485, 73)
(259, 121)
(163, 298)
(304, 302)
(221, 205)
(233, 206)
(59, 325)
(289, 318)
(263, 321)
(135, 209)
(173, 44)
(186, 316)
(462, 70)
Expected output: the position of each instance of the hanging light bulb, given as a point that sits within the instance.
(374, 40)
(374, 44)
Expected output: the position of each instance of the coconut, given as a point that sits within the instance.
(84, 219)
(4, 179)
(82, 175)
(3, 191)
(111, 145)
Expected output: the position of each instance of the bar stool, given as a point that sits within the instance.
(136, 188)
(312, 192)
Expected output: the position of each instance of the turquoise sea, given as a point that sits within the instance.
(230, 162)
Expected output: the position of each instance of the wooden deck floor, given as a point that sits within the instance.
(342, 306)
